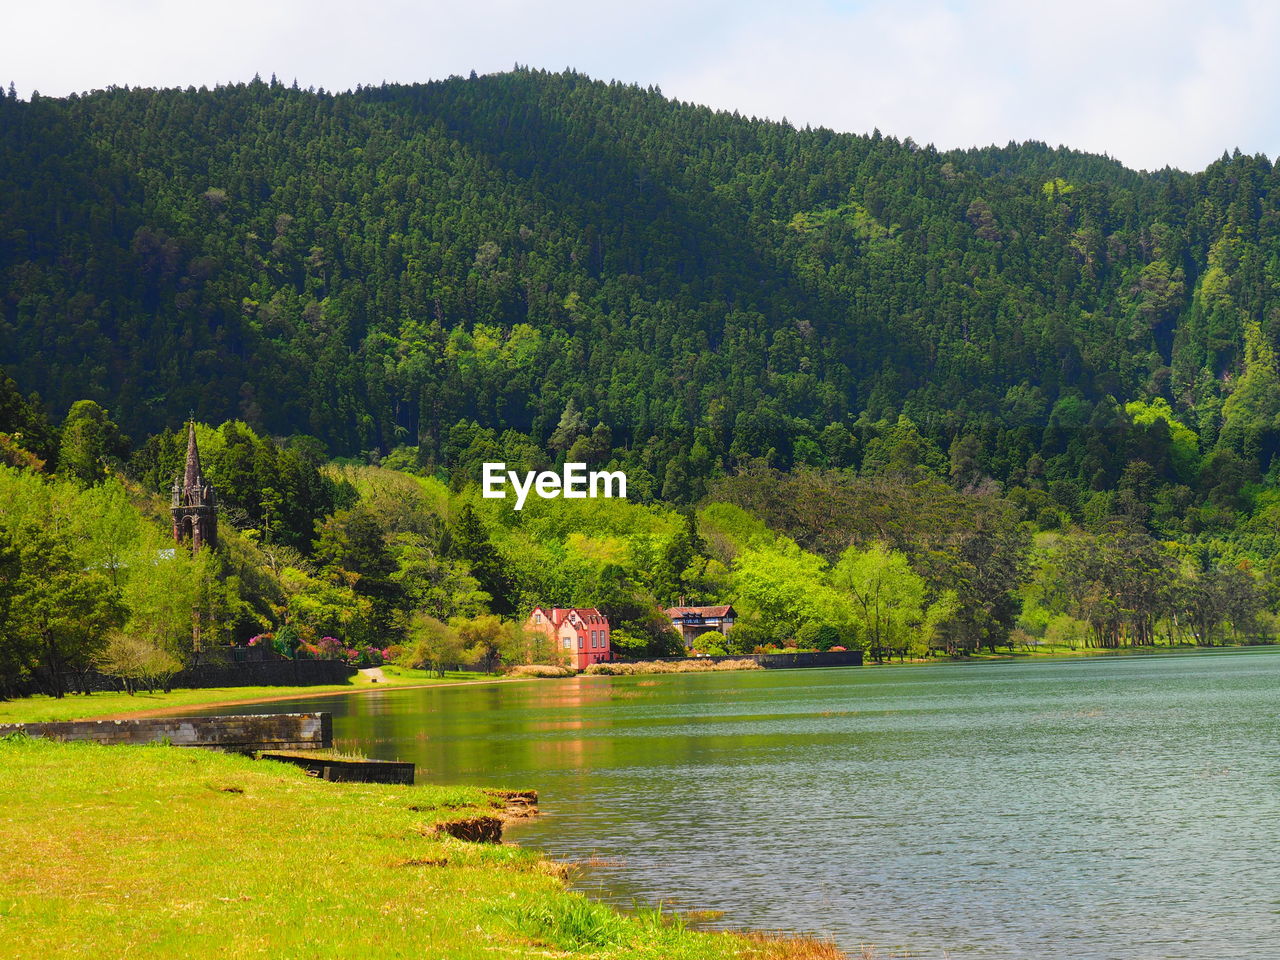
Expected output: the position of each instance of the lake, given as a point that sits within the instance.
(1118, 807)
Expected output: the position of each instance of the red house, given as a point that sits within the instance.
(581, 633)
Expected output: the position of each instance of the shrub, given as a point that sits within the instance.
(712, 640)
(331, 648)
(828, 637)
(748, 635)
(817, 636)
(286, 641)
(137, 663)
(682, 666)
(541, 670)
(807, 635)
(626, 644)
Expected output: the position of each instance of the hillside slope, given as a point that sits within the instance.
(375, 268)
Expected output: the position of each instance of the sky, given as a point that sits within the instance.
(1153, 84)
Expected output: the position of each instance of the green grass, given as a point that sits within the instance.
(80, 707)
(164, 852)
(404, 675)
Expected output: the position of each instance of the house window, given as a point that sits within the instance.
(579, 641)
(568, 644)
(537, 618)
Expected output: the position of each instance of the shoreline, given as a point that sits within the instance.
(425, 877)
(305, 693)
(177, 710)
(1084, 653)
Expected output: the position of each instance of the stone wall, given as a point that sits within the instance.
(278, 731)
(221, 673)
(786, 661)
(266, 673)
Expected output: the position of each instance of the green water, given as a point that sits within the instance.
(1109, 808)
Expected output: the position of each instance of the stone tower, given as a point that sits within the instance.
(195, 514)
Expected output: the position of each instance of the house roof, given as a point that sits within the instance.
(559, 615)
(675, 613)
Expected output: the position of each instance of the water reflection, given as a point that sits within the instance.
(1120, 808)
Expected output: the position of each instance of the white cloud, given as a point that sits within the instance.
(1152, 82)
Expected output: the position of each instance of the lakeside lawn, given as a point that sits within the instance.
(165, 852)
(110, 704)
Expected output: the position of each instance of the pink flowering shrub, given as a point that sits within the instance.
(331, 648)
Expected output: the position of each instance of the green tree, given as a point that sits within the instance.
(92, 445)
(490, 640)
(136, 662)
(24, 423)
(1251, 414)
(432, 645)
(1183, 442)
(434, 584)
(17, 654)
(710, 644)
(892, 610)
(469, 542)
(322, 607)
(572, 426)
(901, 449)
(66, 610)
(785, 587)
(1119, 580)
(352, 549)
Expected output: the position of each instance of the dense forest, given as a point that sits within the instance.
(1025, 391)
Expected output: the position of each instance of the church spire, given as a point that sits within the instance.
(195, 515)
(191, 478)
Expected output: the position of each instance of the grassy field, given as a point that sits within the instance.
(163, 852)
(79, 707)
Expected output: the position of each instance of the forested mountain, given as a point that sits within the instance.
(870, 393)
(404, 264)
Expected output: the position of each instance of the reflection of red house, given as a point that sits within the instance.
(581, 633)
